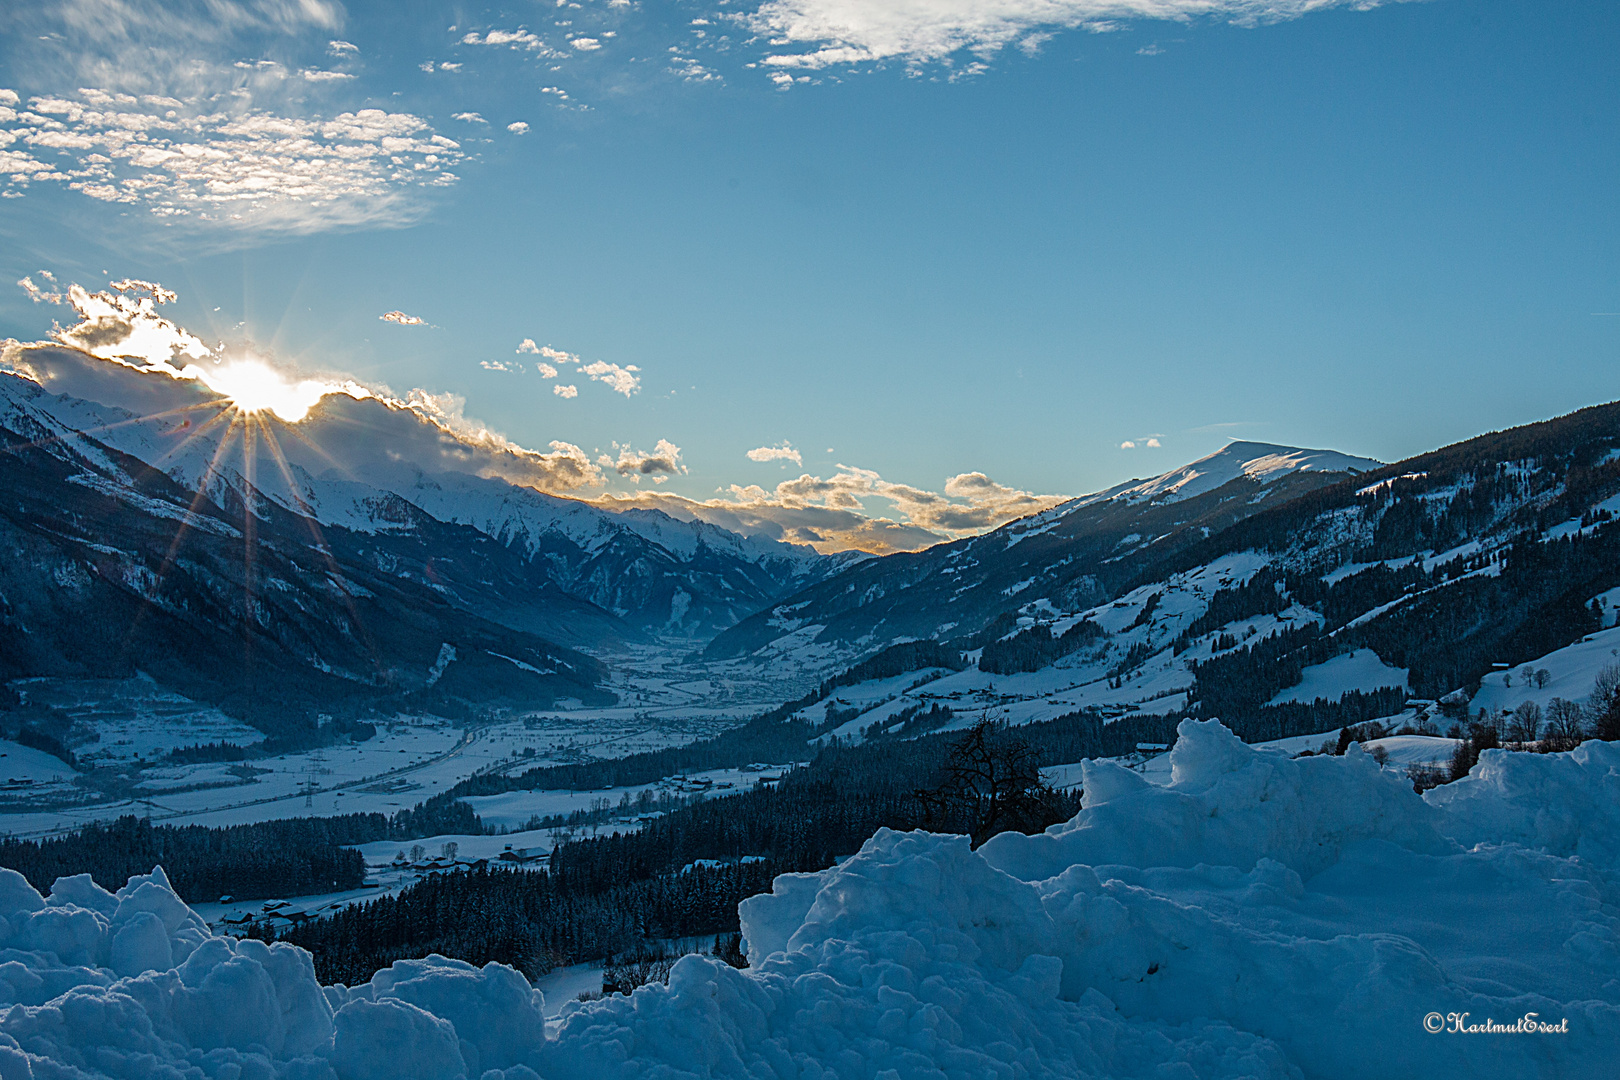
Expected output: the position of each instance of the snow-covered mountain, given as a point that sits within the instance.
(375, 468)
(111, 569)
(1262, 462)
(1071, 556)
(1444, 576)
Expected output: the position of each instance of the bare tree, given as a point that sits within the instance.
(1525, 725)
(1565, 726)
(1604, 704)
(992, 783)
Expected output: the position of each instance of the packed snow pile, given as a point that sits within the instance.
(1260, 916)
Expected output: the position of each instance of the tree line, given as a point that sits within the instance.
(288, 857)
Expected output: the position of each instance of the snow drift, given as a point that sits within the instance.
(1259, 917)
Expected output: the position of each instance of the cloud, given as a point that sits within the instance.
(1150, 441)
(124, 353)
(830, 513)
(1153, 443)
(785, 452)
(122, 324)
(512, 39)
(527, 345)
(618, 378)
(547, 371)
(500, 365)
(402, 319)
(39, 295)
(468, 118)
(147, 103)
(564, 391)
(839, 32)
(662, 462)
(1127, 445)
(518, 127)
(586, 44)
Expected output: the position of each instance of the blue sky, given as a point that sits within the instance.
(991, 240)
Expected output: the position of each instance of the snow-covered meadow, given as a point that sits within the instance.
(1257, 916)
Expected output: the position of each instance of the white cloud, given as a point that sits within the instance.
(565, 391)
(39, 295)
(256, 168)
(1153, 443)
(468, 118)
(586, 44)
(147, 103)
(831, 515)
(618, 378)
(518, 127)
(1127, 445)
(784, 452)
(838, 32)
(515, 39)
(621, 379)
(500, 365)
(402, 319)
(660, 463)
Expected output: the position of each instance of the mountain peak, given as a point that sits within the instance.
(1263, 462)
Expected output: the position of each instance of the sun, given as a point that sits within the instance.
(254, 386)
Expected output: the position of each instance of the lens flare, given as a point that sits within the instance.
(254, 386)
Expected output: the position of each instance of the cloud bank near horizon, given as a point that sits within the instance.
(124, 352)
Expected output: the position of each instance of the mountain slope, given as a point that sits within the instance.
(1420, 579)
(382, 469)
(1069, 557)
(111, 568)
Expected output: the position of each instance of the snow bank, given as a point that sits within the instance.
(1563, 804)
(1257, 917)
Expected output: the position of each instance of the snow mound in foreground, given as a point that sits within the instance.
(1259, 917)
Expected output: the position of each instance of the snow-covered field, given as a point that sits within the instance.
(1360, 669)
(409, 760)
(1259, 916)
(513, 809)
(1571, 672)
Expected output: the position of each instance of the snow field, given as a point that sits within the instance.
(1571, 673)
(1259, 916)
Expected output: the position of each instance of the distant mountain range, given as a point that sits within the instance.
(352, 563)
(1064, 559)
(1279, 589)
(376, 469)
